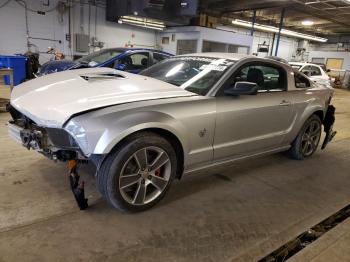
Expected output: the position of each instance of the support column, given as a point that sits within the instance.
(279, 32)
(253, 23)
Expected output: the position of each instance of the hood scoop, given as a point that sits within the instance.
(101, 76)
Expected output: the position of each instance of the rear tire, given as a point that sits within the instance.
(138, 173)
(306, 143)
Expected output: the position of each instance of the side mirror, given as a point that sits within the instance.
(328, 70)
(121, 67)
(242, 88)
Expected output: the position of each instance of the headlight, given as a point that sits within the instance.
(79, 134)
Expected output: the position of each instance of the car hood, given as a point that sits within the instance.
(56, 66)
(51, 100)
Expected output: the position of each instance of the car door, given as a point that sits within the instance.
(250, 124)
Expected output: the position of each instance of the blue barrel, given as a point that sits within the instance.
(18, 65)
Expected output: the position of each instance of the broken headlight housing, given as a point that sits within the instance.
(78, 133)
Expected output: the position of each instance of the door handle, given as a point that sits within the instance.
(285, 103)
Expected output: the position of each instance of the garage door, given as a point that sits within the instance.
(186, 47)
(334, 63)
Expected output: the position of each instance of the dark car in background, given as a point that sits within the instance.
(130, 60)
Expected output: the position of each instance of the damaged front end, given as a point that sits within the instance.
(328, 123)
(54, 143)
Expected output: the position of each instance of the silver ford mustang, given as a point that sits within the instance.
(186, 114)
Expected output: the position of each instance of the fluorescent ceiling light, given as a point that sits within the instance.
(307, 22)
(273, 29)
(142, 22)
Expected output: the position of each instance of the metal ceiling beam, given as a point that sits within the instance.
(242, 5)
(320, 14)
(298, 10)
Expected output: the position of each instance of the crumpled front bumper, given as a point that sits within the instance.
(54, 143)
(328, 123)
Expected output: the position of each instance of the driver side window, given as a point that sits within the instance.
(267, 77)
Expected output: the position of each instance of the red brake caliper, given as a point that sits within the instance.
(157, 172)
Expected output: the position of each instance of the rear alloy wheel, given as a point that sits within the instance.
(308, 139)
(137, 174)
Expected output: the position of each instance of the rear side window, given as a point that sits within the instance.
(301, 81)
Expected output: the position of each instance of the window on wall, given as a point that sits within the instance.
(317, 60)
(209, 46)
(242, 50)
(165, 40)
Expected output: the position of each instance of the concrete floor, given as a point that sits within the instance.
(239, 214)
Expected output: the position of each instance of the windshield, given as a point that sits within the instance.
(194, 74)
(99, 57)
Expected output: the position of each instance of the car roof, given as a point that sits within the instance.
(231, 56)
(235, 57)
(125, 49)
(303, 63)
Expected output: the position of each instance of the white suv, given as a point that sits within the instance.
(315, 72)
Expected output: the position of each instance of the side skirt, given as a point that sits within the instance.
(227, 162)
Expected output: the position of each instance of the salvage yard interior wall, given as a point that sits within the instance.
(51, 28)
(54, 27)
(223, 39)
(335, 55)
(13, 29)
(287, 45)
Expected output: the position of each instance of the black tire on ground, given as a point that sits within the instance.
(297, 151)
(108, 177)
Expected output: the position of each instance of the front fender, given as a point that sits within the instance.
(116, 126)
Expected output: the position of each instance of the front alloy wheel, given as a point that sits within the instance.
(145, 175)
(138, 173)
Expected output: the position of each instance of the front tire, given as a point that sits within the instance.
(307, 141)
(138, 173)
